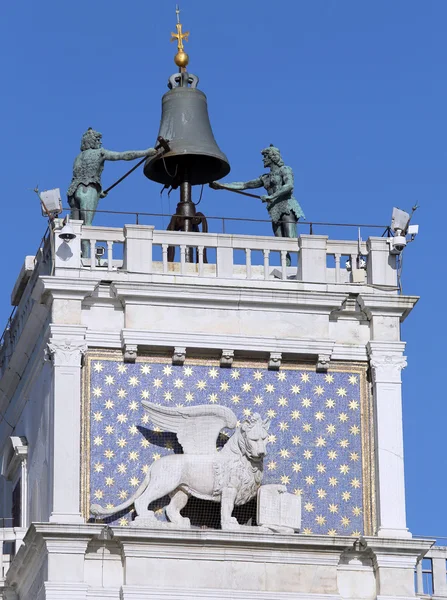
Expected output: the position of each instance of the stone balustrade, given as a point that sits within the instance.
(431, 574)
(10, 540)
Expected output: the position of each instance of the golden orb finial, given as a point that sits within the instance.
(181, 59)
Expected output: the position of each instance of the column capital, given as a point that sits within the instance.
(66, 352)
(387, 361)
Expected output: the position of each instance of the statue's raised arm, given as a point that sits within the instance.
(238, 185)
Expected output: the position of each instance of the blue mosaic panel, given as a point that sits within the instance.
(314, 445)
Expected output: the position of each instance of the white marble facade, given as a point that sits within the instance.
(312, 314)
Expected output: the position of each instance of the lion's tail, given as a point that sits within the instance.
(99, 511)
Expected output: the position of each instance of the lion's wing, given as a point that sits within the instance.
(197, 427)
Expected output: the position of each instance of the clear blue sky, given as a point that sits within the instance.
(354, 93)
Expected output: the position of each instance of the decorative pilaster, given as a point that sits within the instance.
(66, 347)
(387, 362)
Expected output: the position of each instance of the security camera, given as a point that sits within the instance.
(100, 251)
(398, 243)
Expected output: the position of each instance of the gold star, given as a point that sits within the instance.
(270, 388)
(320, 519)
(332, 532)
(307, 427)
(345, 521)
(123, 494)
(284, 453)
(321, 493)
(296, 440)
(295, 414)
(341, 392)
(133, 455)
(309, 507)
(121, 418)
(145, 394)
(354, 456)
(355, 430)
(356, 511)
(156, 456)
(133, 429)
(298, 491)
(213, 398)
(343, 417)
(109, 453)
(109, 481)
(122, 442)
(285, 479)
(283, 426)
(98, 367)
(352, 379)
(109, 380)
(297, 467)
(189, 397)
(282, 401)
(235, 399)
(344, 443)
(122, 468)
(98, 416)
(97, 392)
(319, 416)
(123, 522)
(246, 387)
(178, 383)
(235, 374)
(144, 443)
(271, 413)
(271, 438)
(122, 393)
(187, 371)
(309, 480)
(321, 468)
(99, 494)
(224, 386)
(133, 381)
(109, 429)
(145, 419)
(258, 400)
(133, 405)
(330, 428)
(167, 370)
(333, 508)
(145, 370)
(157, 383)
(307, 454)
(271, 465)
(247, 412)
(145, 469)
(332, 454)
(356, 533)
(346, 496)
(109, 505)
(353, 405)
(99, 467)
(213, 373)
(355, 483)
(201, 384)
(281, 376)
(167, 396)
(305, 377)
(320, 442)
(330, 403)
(307, 531)
(295, 389)
(257, 375)
(306, 402)
(329, 378)
(134, 481)
(333, 481)
(109, 404)
(318, 390)
(121, 368)
(98, 440)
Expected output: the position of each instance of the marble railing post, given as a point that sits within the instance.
(67, 255)
(138, 248)
(66, 347)
(312, 259)
(387, 362)
(381, 268)
(438, 560)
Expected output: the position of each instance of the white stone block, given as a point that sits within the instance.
(278, 510)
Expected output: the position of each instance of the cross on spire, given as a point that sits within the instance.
(179, 36)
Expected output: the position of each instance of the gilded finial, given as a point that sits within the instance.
(181, 59)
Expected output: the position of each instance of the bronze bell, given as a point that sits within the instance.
(186, 126)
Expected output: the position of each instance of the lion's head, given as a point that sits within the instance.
(254, 434)
(91, 140)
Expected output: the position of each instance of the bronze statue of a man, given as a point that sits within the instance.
(282, 206)
(85, 189)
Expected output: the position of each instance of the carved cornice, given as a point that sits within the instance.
(66, 352)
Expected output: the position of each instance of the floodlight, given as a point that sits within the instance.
(51, 202)
(399, 221)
